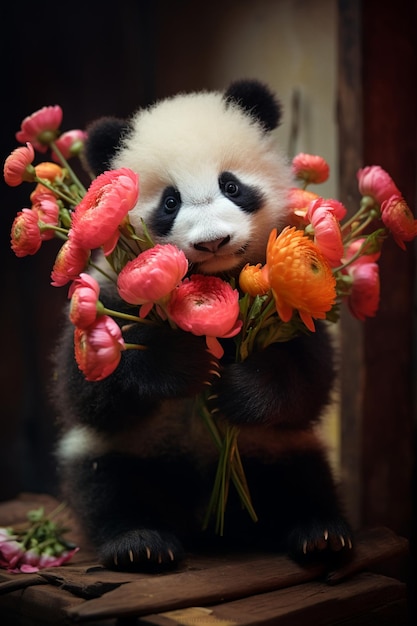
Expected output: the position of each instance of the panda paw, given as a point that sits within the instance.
(319, 539)
(142, 550)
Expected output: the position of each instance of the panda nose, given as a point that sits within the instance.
(212, 246)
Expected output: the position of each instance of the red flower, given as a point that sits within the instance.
(398, 218)
(84, 293)
(70, 261)
(376, 182)
(108, 200)
(206, 305)
(18, 166)
(363, 300)
(310, 168)
(152, 275)
(326, 228)
(98, 348)
(25, 234)
(70, 144)
(41, 128)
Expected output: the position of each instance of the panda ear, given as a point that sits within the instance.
(257, 99)
(103, 139)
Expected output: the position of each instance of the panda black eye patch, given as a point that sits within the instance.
(165, 213)
(247, 197)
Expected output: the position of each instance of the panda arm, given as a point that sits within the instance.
(287, 383)
(174, 364)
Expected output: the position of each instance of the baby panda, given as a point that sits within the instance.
(137, 462)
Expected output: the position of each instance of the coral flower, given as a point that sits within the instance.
(18, 166)
(152, 275)
(47, 210)
(310, 168)
(300, 276)
(326, 229)
(70, 144)
(206, 305)
(84, 293)
(98, 348)
(97, 218)
(70, 261)
(376, 182)
(363, 300)
(253, 279)
(25, 233)
(41, 128)
(398, 218)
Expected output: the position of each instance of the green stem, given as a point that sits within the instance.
(69, 169)
(135, 346)
(124, 316)
(57, 192)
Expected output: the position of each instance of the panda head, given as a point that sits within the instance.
(211, 179)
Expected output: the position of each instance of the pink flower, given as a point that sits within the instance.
(326, 227)
(152, 275)
(25, 233)
(69, 144)
(206, 305)
(47, 210)
(18, 166)
(97, 218)
(376, 182)
(310, 168)
(70, 261)
(84, 293)
(11, 551)
(367, 255)
(398, 218)
(98, 348)
(363, 300)
(32, 561)
(41, 128)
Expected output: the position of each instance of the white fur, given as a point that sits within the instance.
(186, 141)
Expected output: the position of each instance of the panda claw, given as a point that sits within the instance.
(131, 556)
(148, 553)
(171, 555)
(326, 535)
(305, 546)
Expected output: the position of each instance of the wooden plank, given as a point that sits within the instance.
(228, 578)
(366, 599)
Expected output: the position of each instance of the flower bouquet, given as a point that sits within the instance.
(35, 544)
(320, 260)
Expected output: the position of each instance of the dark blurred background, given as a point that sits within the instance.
(347, 74)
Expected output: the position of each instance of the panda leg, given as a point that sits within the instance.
(306, 519)
(125, 506)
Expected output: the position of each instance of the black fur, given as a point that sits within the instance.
(104, 137)
(257, 99)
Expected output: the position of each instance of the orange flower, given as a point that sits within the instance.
(300, 276)
(48, 170)
(253, 280)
